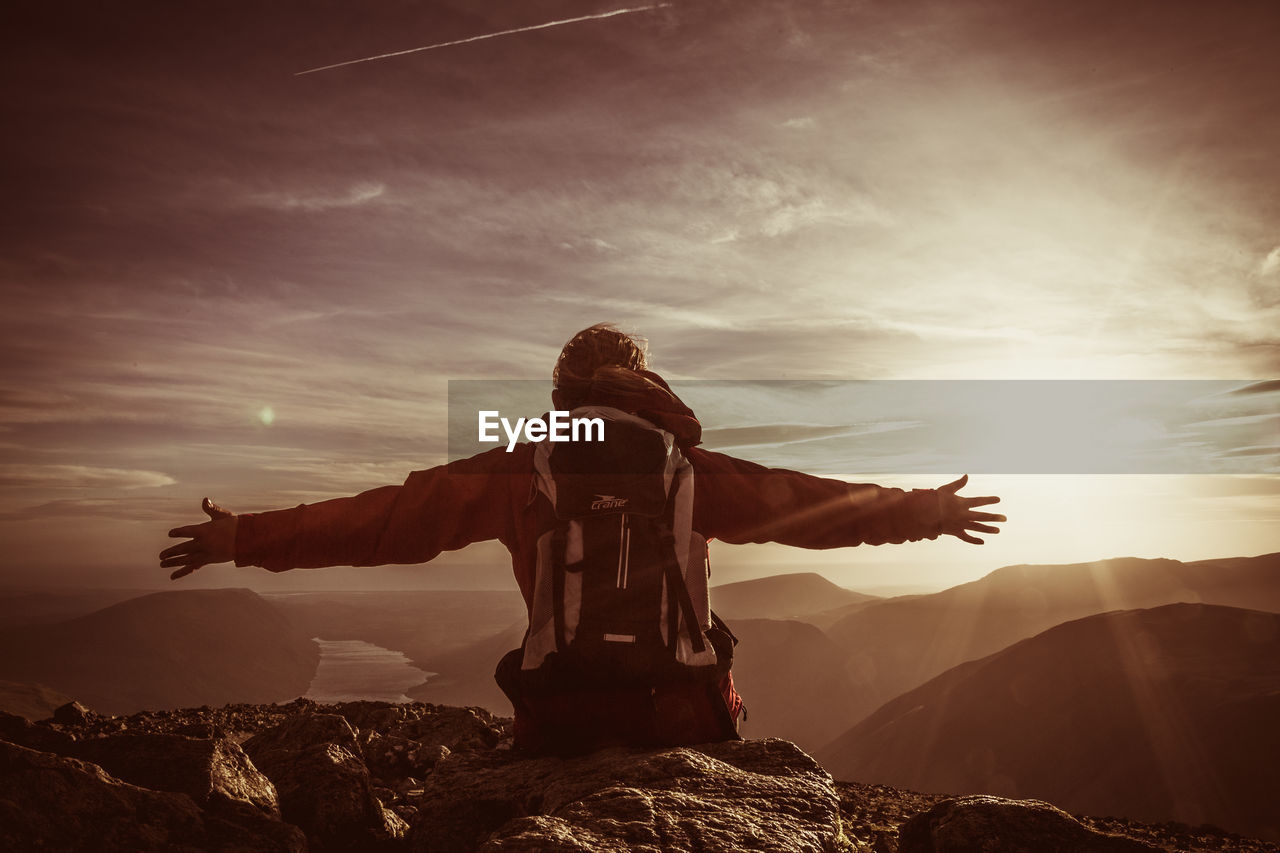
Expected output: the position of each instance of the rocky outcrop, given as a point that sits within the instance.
(747, 795)
(72, 714)
(353, 775)
(212, 771)
(984, 824)
(323, 783)
(50, 802)
(23, 732)
(398, 744)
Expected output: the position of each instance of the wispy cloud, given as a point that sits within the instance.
(1268, 386)
(80, 477)
(354, 196)
(160, 511)
(1270, 264)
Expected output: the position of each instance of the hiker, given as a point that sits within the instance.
(608, 547)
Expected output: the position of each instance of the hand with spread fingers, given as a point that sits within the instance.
(214, 541)
(959, 516)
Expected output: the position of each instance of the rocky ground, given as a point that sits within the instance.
(427, 778)
(875, 813)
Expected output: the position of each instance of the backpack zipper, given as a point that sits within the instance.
(624, 550)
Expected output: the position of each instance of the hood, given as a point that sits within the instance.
(664, 410)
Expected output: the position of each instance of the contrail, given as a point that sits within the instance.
(486, 36)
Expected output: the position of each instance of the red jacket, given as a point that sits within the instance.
(489, 496)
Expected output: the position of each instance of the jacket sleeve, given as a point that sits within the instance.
(741, 502)
(439, 509)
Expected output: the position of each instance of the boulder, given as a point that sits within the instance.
(323, 784)
(72, 714)
(984, 824)
(394, 757)
(50, 802)
(23, 732)
(209, 770)
(454, 728)
(743, 795)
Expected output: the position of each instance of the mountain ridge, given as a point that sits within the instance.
(1160, 713)
(166, 649)
(897, 644)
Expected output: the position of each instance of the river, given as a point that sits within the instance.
(351, 670)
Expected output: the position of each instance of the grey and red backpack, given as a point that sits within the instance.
(622, 646)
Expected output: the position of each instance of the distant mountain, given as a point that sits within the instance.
(424, 624)
(31, 607)
(465, 676)
(165, 650)
(1168, 713)
(828, 619)
(782, 597)
(899, 643)
(32, 701)
(792, 679)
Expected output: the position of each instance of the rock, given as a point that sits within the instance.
(23, 732)
(395, 757)
(323, 784)
(408, 740)
(207, 770)
(744, 795)
(243, 828)
(984, 824)
(454, 728)
(458, 729)
(50, 802)
(72, 714)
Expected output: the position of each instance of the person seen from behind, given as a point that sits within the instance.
(608, 545)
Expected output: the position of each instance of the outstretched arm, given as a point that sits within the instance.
(958, 516)
(741, 502)
(439, 509)
(214, 541)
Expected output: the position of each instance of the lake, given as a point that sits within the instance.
(351, 670)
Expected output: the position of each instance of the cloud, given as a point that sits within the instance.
(357, 194)
(1271, 263)
(150, 510)
(588, 244)
(774, 435)
(1265, 387)
(775, 202)
(328, 476)
(805, 123)
(80, 477)
(1251, 451)
(793, 217)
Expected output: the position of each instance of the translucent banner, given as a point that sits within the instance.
(935, 427)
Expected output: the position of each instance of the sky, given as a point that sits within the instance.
(220, 277)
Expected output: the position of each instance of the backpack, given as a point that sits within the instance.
(622, 645)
